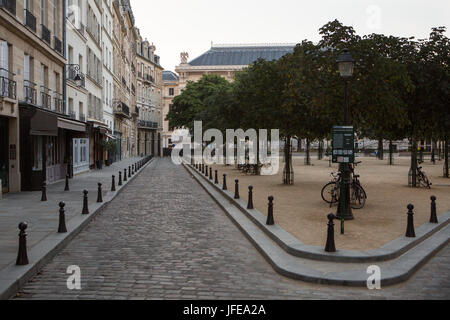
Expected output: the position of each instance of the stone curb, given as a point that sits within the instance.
(13, 278)
(295, 247)
(346, 274)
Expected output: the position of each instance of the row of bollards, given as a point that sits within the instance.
(330, 244)
(22, 256)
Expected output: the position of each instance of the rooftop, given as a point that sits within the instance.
(169, 76)
(242, 54)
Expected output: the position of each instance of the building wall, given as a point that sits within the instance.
(108, 80)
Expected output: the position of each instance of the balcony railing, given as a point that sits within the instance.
(57, 44)
(72, 115)
(121, 108)
(147, 124)
(72, 72)
(30, 20)
(81, 29)
(8, 88)
(45, 34)
(58, 103)
(46, 99)
(30, 92)
(82, 117)
(9, 5)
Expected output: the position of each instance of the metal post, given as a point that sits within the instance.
(125, 177)
(433, 218)
(210, 173)
(44, 192)
(250, 198)
(120, 178)
(85, 202)
(67, 183)
(22, 256)
(62, 218)
(270, 221)
(236, 189)
(216, 178)
(224, 182)
(410, 233)
(113, 183)
(330, 245)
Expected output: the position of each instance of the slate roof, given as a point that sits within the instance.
(240, 55)
(169, 76)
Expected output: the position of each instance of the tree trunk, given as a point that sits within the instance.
(414, 163)
(446, 169)
(391, 153)
(380, 149)
(433, 152)
(308, 153)
(288, 172)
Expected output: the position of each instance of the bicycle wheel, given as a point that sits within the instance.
(424, 182)
(357, 197)
(328, 191)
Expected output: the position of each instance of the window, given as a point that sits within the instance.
(171, 91)
(44, 12)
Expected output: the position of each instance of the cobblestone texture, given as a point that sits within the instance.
(165, 238)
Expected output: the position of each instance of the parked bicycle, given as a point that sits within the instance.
(422, 177)
(331, 191)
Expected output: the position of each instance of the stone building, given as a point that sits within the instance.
(225, 60)
(170, 91)
(149, 98)
(124, 71)
(35, 127)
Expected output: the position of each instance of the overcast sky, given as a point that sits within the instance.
(191, 25)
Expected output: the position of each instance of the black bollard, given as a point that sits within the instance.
(22, 256)
(120, 178)
(133, 169)
(129, 171)
(433, 218)
(236, 189)
(410, 233)
(62, 218)
(125, 175)
(210, 174)
(67, 183)
(99, 194)
(224, 187)
(270, 220)
(330, 246)
(206, 171)
(44, 192)
(216, 177)
(203, 168)
(113, 183)
(85, 202)
(250, 198)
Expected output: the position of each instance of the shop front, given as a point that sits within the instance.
(46, 140)
(97, 137)
(4, 147)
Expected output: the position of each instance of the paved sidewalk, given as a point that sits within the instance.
(43, 217)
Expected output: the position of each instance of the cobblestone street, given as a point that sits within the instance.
(163, 237)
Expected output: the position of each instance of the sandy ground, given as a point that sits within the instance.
(300, 210)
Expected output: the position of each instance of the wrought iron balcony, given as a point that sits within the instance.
(8, 87)
(9, 5)
(72, 115)
(30, 92)
(82, 117)
(147, 124)
(46, 99)
(30, 20)
(121, 108)
(72, 71)
(45, 34)
(57, 44)
(58, 103)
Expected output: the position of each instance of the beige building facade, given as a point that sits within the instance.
(170, 91)
(149, 98)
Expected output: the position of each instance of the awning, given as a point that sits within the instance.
(110, 136)
(71, 125)
(44, 124)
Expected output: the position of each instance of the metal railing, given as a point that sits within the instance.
(148, 124)
(9, 5)
(45, 34)
(72, 115)
(121, 108)
(30, 92)
(57, 44)
(46, 99)
(8, 87)
(58, 103)
(30, 20)
(82, 117)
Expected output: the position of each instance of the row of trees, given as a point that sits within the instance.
(400, 89)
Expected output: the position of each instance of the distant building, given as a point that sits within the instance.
(225, 60)
(170, 91)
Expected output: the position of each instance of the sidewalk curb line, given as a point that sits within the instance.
(24, 273)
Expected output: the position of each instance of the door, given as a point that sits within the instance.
(4, 144)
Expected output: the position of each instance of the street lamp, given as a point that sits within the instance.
(346, 65)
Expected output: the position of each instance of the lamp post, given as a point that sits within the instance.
(346, 65)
